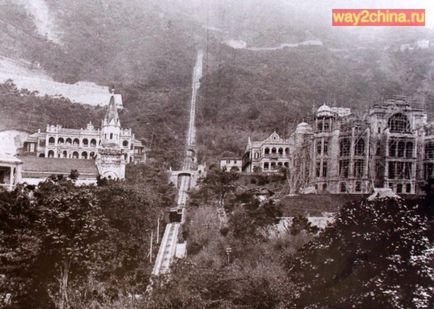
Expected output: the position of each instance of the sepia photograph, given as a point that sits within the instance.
(216, 154)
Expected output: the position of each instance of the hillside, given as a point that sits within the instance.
(251, 93)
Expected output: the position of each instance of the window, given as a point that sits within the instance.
(325, 147)
(76, 142)
(343, 187)
(318, 169)
(266, 166)
(399, 188)
(399, 123)
(428, 170)
(324, 169)
(228, 161)
(318, 147)
(65, 154)
(125, 143)
(408, 188)
(84, 155)
(378, 150)
(111, 135)
(61, 141)
(75, 155)
(85, 142)
(344, 147)
(286, 164)
(319, 125)
(324, 187)
(360, 147)
(408, 170)
(51, 154)
(326, 125)
(358, 168)
(267, 151)
(287, 151)
(51, 140)
(409, 150)
(280, 151)
(401, 149)
(344, 168)
(358, 186)
(429, 150)
(68, 141)
(93, 142)
(273, 165)
(273, 150)
(392, 170)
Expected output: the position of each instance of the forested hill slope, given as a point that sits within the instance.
(251, 93)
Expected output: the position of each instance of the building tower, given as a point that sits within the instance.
(110, 160)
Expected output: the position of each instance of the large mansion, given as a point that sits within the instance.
(391, 146)
(93, 152)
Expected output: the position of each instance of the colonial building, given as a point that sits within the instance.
(93, 152)
(392, 146)
(10, 171)
(231, 164)
(266, 156)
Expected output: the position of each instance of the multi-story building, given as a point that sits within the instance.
(109, 147)
(231, 164)
(392, 146)
(266, 156)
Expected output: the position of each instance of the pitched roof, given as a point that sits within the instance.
(112, 111)
(43, 167)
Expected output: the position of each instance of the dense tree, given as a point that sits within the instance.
(376, 253)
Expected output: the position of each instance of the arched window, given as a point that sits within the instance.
(401, 149)
(65, 154)
(344, 147)
(111, 135)
(51, 140)
(51, 154)
(41, 155)
(93, 142)
(76, 142)
(125, 143)
(85, 142)
(267, 151)
(429, 150)
(399, 123)
(409, 150)
(84, 155)
(280, 151)
(287, 150)
(61, 141)
(360, 148)
(68, 141)
(273, 150)
(75, 155)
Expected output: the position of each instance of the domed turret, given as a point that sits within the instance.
(303, 128)
(324, 111)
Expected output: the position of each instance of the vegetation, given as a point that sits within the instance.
(64, 246)
(375, 253)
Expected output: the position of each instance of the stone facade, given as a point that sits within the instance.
(392, 146)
